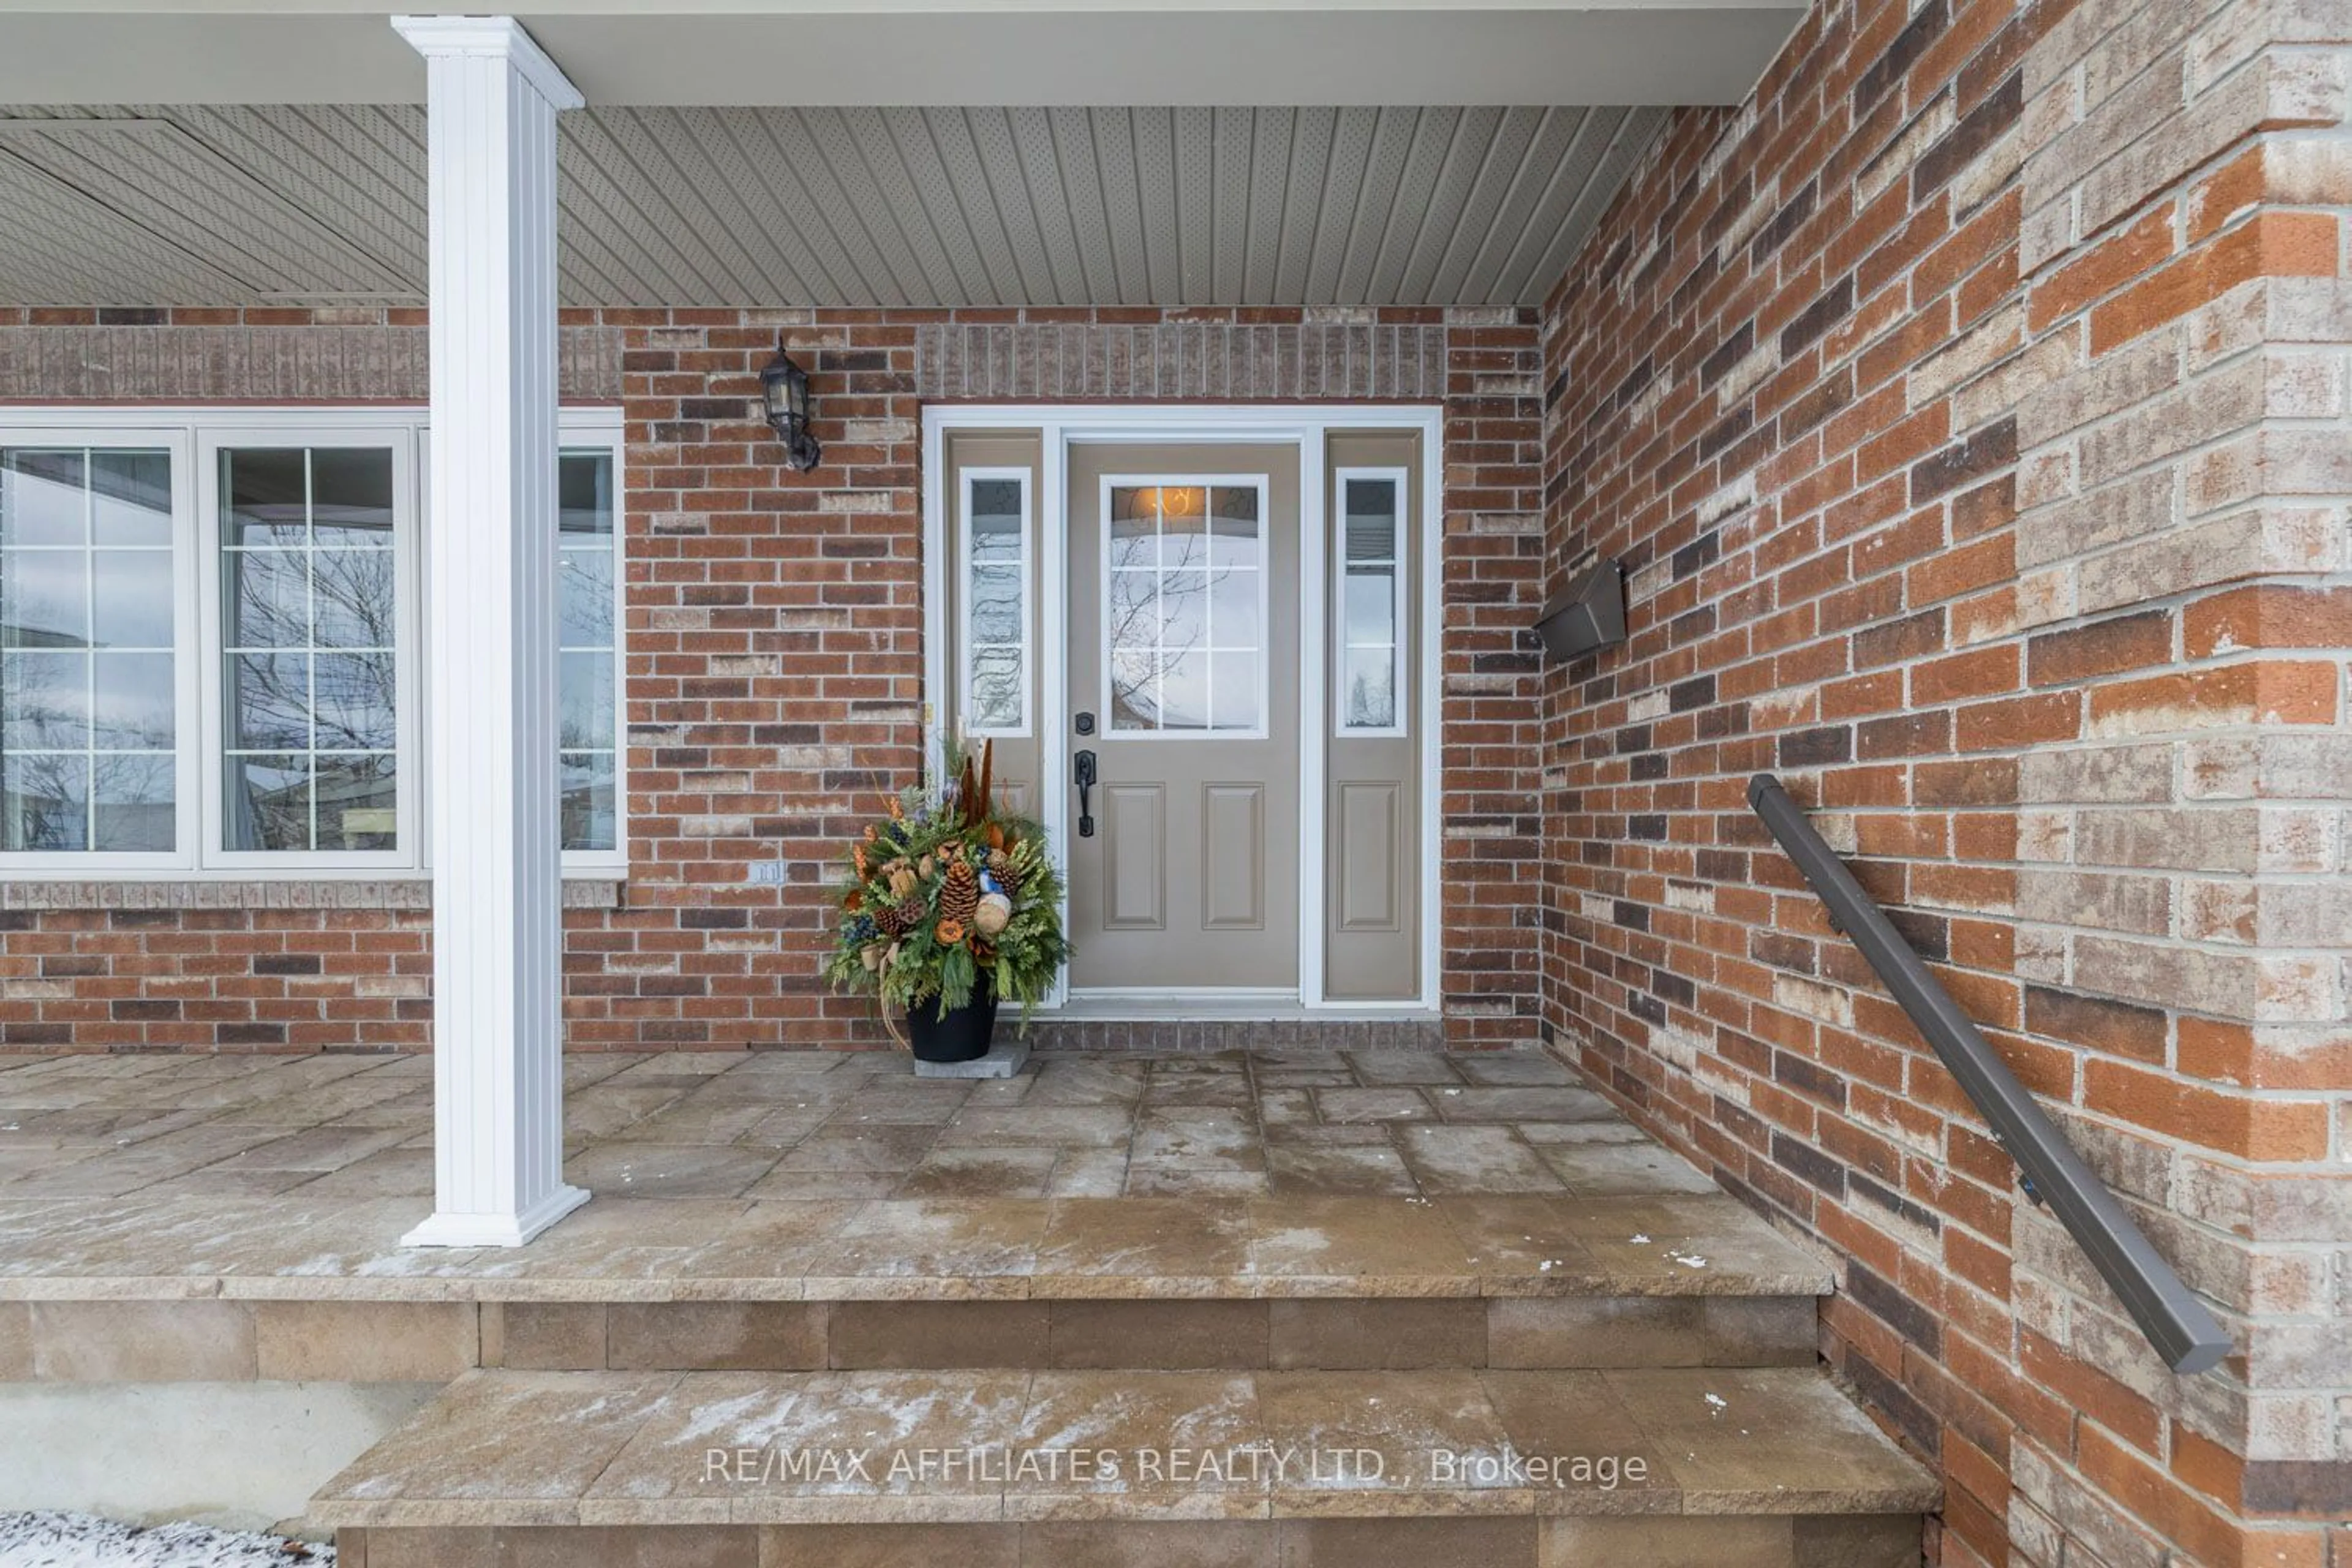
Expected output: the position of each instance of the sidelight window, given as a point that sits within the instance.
(996, 601)
(1369, 662)
(588, 638)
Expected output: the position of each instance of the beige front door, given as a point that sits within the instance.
(1182, 642)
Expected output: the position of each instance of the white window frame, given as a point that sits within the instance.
(139, 435)
(969, 480)
(1266, 651)
(1400, 603)
(408, 622)
(601, 429)
(195, 436)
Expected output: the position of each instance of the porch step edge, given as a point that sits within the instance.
(621, 1249)
(636, 1449)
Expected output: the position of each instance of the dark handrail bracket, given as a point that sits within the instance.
(2176, 1323)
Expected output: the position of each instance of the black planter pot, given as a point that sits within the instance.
(954, 1034)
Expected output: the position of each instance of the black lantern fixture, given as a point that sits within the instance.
(784, 396)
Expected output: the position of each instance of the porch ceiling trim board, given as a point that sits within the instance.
(956, 52)
(985, 206)
(497, 895)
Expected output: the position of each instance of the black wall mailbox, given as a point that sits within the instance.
(1588, 614)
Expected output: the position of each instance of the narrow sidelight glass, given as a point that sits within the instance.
(588, 735)
(1370, 618)
(995, 643)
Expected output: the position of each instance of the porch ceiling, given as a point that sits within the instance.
(237, 205)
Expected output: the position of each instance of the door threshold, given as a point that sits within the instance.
(1223, 1008)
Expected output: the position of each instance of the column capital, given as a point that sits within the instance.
(490, 37)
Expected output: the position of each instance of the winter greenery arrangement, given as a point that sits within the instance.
(946, 892)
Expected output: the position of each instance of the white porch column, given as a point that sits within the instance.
(498, 1032)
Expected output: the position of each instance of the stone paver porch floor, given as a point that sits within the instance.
(783, 1175)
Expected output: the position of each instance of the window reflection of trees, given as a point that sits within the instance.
(309, 648)
(87, 690)
(308, 675)
(588, 719)
(1160, 606)
(1371, 629)
(995, 597)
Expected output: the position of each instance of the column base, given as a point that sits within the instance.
(495, 1229)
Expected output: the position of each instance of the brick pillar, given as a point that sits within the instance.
(1968, 407)
(2184, 465)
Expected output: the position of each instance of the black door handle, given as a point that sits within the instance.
(1086, 770)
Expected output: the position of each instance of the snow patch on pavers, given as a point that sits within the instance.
(85, 1540)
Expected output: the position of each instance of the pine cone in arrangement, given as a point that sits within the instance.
(1007, 875)
(887, 921)
(961, 893)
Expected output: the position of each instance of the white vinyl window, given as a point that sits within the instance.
(1184, 606)
(94, 664)
(212, 644)
(996, 679)
(1369, 657)
(312, 712)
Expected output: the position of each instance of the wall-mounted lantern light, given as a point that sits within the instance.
(784, 395)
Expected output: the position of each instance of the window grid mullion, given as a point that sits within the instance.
(90, 653)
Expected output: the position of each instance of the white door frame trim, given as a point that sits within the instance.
(1306, 426)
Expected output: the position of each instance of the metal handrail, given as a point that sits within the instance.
(2176, 1323)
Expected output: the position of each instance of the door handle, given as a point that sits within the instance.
(1085, 774)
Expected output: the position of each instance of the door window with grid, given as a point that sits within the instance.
(1184, 608)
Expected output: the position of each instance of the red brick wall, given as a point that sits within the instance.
(1936, 400)
(775, 660)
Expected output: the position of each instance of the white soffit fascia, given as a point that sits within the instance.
(956, 52)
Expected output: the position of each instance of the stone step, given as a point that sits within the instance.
(1516, 1541)
(1767, 1468)
(214, 1340)
(623, 1249)
(1292, 1334)
(1338, 1283)
(1684, 1279)
(979, 1249)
